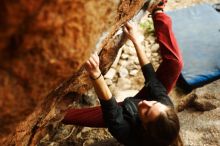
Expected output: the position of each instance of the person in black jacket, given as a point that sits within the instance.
(148, 118)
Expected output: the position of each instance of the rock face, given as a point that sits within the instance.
(43, 43)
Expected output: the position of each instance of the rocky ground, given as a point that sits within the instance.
(199, 110)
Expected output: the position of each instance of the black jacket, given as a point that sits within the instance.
(122, 120)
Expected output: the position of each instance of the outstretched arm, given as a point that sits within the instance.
(112, 112)
(154, 86)
(132, 34)
(146, 66)
(101, 88)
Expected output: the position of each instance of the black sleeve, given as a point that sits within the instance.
(148, 72)
(154, 89)
(158, 92)
(113, 117)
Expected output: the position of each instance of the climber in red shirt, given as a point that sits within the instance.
(148, 118)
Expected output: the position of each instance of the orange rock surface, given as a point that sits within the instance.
(43, 43)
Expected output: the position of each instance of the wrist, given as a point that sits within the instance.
(135, 41)
(95, 75)
(96, 78)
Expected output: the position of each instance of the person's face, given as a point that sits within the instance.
(150, 110)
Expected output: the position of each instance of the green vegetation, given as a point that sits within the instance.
(148, 27)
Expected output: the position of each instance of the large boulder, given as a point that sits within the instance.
(43, 45)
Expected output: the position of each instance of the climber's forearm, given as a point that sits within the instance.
(131, 31)
(143, 60)
(102, 89)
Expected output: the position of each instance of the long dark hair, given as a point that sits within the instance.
(163, 131)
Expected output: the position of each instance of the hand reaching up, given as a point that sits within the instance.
(131, 31)
(92, 66)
